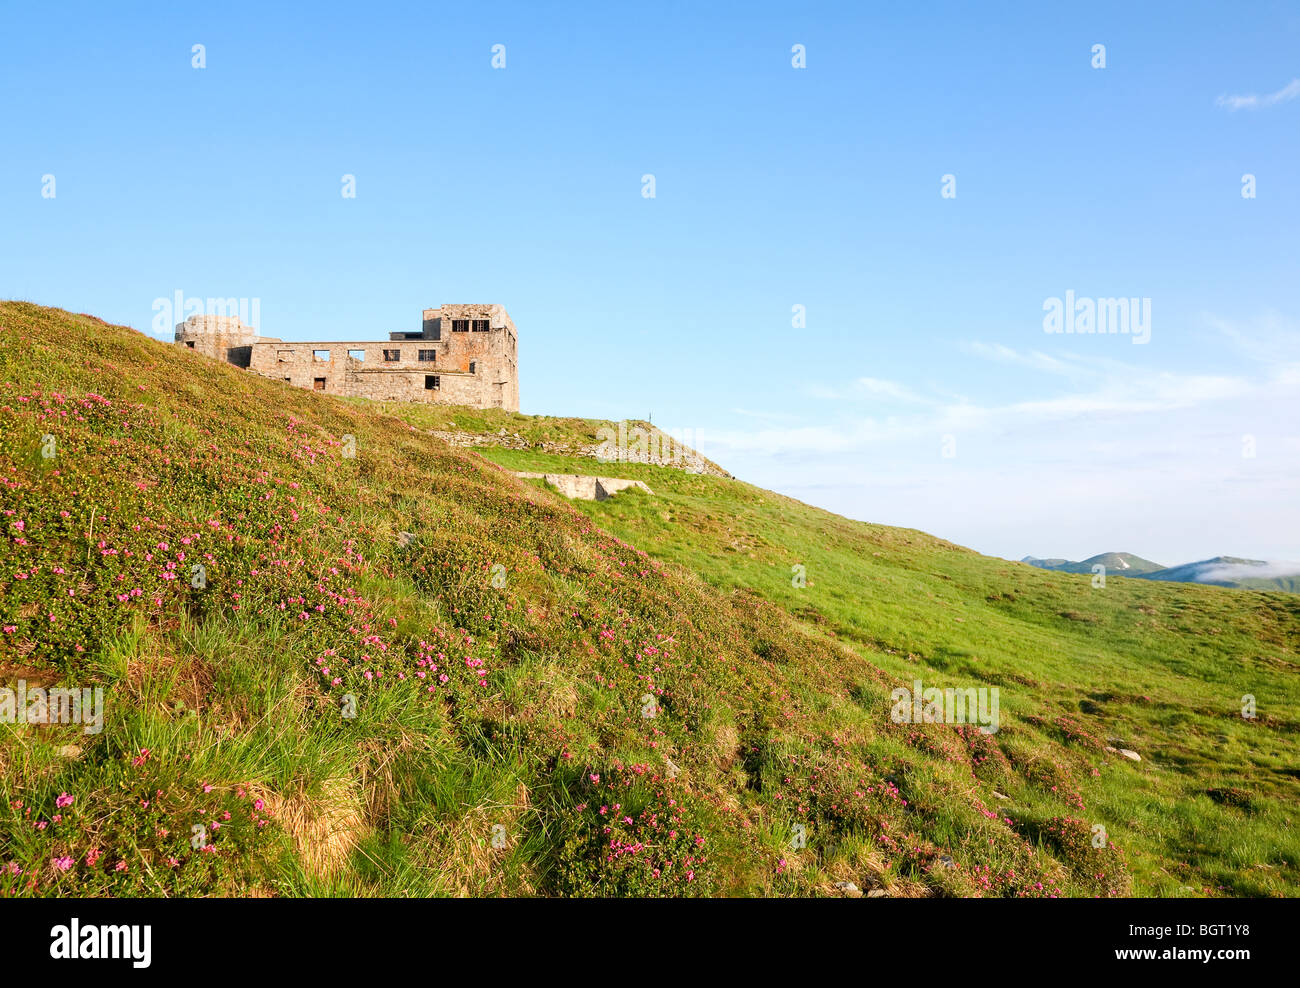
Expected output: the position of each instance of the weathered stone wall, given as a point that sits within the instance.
(362, 369)
(681, 457)
(214, 336)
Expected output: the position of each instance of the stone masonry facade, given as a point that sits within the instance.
(461, 355)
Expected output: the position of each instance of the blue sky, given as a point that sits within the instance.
(775, 187)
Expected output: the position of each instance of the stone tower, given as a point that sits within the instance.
(223, 338)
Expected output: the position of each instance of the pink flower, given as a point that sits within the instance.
(63, 800)
(63, 863)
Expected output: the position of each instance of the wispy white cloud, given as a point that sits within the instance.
(1006, 355)
(1248, 571)
(1268, 338)
(1136, 394)
(839, 439)
(1065, 453)
(874, 387)
(1092, 389)
(1254, 101)
(869, 389)
(751, 413)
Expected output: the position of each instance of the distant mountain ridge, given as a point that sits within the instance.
(1123, 563)
(1232, 571)
(1221, 571)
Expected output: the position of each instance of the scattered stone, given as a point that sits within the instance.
(1001, 796)
(849, 889)
(673, 770)
(947, 861)
(69, 751)
(877, 894)
(1132, 756)
(405, 538)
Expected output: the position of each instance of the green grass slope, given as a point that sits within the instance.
(1158, 668)
(405, 672)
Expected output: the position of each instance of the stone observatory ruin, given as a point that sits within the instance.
(461, 355)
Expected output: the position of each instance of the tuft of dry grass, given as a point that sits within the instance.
(325, 828)
(468, 853)
(725, 745)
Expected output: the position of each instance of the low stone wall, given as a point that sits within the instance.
(688, 460)
(585, 488)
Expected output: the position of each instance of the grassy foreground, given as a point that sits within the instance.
(402, 671)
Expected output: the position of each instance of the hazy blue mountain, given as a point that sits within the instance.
(1232, 571)
(1221, 571)
(1119, 563)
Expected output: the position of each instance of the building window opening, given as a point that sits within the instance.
(318, 384)
(482, 325)
(392, 355)
(431, 382)
(429, 355)
(460, 325)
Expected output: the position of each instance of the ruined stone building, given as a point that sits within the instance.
(462, 355)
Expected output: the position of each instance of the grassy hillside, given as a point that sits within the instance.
(1157, 668)
(404, 671)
